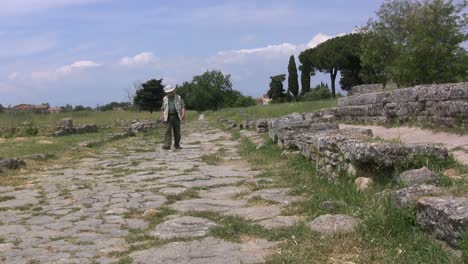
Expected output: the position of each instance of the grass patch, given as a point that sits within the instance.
(211, 159)
(187, 194)
(214, 158)
(6, 198)
(235, 228)
(271, 110)
(125, 260)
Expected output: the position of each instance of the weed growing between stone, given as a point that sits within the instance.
(386, 234)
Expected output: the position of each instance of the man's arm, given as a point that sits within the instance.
(183, 108)
(162, 110)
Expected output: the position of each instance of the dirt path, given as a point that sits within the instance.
(455, 143)
(134, 200)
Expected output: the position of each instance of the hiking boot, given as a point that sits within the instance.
(166, 147)
(177, 147)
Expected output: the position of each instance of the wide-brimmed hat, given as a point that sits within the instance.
(169, 89)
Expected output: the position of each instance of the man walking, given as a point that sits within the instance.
(173, 111)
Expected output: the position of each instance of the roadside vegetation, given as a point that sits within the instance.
(271, 110)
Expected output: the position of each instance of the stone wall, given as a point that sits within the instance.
(343, 152)
(443, 104)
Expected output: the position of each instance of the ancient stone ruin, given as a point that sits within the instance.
(443, 105)
(352, 152)
(11, 163)
(66, 128)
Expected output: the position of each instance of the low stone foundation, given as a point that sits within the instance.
(66, 128)
(338, 152)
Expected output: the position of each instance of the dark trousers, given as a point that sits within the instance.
(172, 125)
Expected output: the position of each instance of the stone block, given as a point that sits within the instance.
(408, 196)
(367, 88)
(446, 217)
(418, 176)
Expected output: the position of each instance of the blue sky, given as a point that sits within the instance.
(90, 52)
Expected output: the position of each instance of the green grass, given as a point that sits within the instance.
(188, 194)
(6, 198)
(14, 147)
(386, 234)
(48, 122)
(271, 110)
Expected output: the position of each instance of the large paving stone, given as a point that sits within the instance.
(172, 190)
(280, 195)
(334, 224)
(228, 192)
(281, 221)
(256, 213)
(186, 226)
(208, 205)
(209, 250)
(210, 182)
(446, 217)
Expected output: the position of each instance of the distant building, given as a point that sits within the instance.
(40, 108)
(259, 101)
(43, 108)
(54, 110)
(22, 107)
(265, 99)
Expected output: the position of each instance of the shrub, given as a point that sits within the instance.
(319, 93)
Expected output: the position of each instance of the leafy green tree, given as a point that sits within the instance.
(67, 108)
(293, 82)
(350, 68)
(150, 96)
(276, 87)
(306, 72)
(1, 108)
(211, 91)
(416, 41)
(326, 58)
(335, 55)
(80, 108)
(111, 106)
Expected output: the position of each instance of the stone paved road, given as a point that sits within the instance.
(456, 143)
(84, 212)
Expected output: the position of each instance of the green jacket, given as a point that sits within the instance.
(179, 104)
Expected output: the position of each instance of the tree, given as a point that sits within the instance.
(276, 87)
(150, 96)
(67, 108)
(306, 72)
(113, 105)
(1, 108)
(293, 83)
(211, 91)
(326, 58)
(335, 55)
(350, 68)
(80, 108)
(416, 41)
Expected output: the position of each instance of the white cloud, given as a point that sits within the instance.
(139, 59)
(320, 38)
(23, 7)
(63, 70)
(269, 51)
